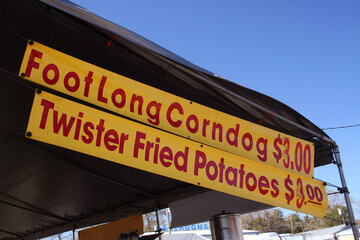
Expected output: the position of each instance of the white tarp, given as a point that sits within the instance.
(182, 236)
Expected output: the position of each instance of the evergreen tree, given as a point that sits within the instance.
(336, 214)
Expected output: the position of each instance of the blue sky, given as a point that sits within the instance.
(305, 54)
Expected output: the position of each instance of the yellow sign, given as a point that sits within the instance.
(163, 110)
(112, 230)
(67, 124)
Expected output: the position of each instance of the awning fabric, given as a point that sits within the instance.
(193, 210)
(46, 189)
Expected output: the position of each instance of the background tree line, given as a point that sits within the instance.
(273, 220)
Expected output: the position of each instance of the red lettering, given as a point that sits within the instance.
(100, 129)
(262, 151)
(286, 159)
(250, 186)
(166, 154)
(138, 145)
(101, 97)
(149, 146)
(78, 125)
(88, 81)
(154, 118)
(247, 137)
(178, 107)
(300, 193)
(156, 150)
(298, 157)
(307, 159)
(212, 175)
(310, 192)
(192, 118)
(31, 63)
(263, 185)
(47, 105)
(232, 181)
(205, 124)
(235, 133)
(62, 123)
(277, 155)
(140, 100)
(274, 186)
(89, 136)
(45, 74)
(123, 138)
(111, 136)
(242, 174)
(184, 155)
(318, 194)
(200, 162)
(220, 130)
(221, 168)
(118, 92)
(76, 78)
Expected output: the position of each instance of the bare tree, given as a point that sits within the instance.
(150, 220)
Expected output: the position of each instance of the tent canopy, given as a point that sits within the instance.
(46, 189)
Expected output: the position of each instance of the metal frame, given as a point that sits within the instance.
(346, 192)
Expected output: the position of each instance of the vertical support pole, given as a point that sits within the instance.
(241, 228)
(345, 190)
(158, 223)
(168, 219)
(74, 232)
(226, 226)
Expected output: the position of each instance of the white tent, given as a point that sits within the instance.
(182, 236)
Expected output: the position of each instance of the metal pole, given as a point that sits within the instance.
(345, 190)
(226, 226)
(73, 232)
(241, 227)
(158, 223)
(168, 219)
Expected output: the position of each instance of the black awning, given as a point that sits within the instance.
(46, 189)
